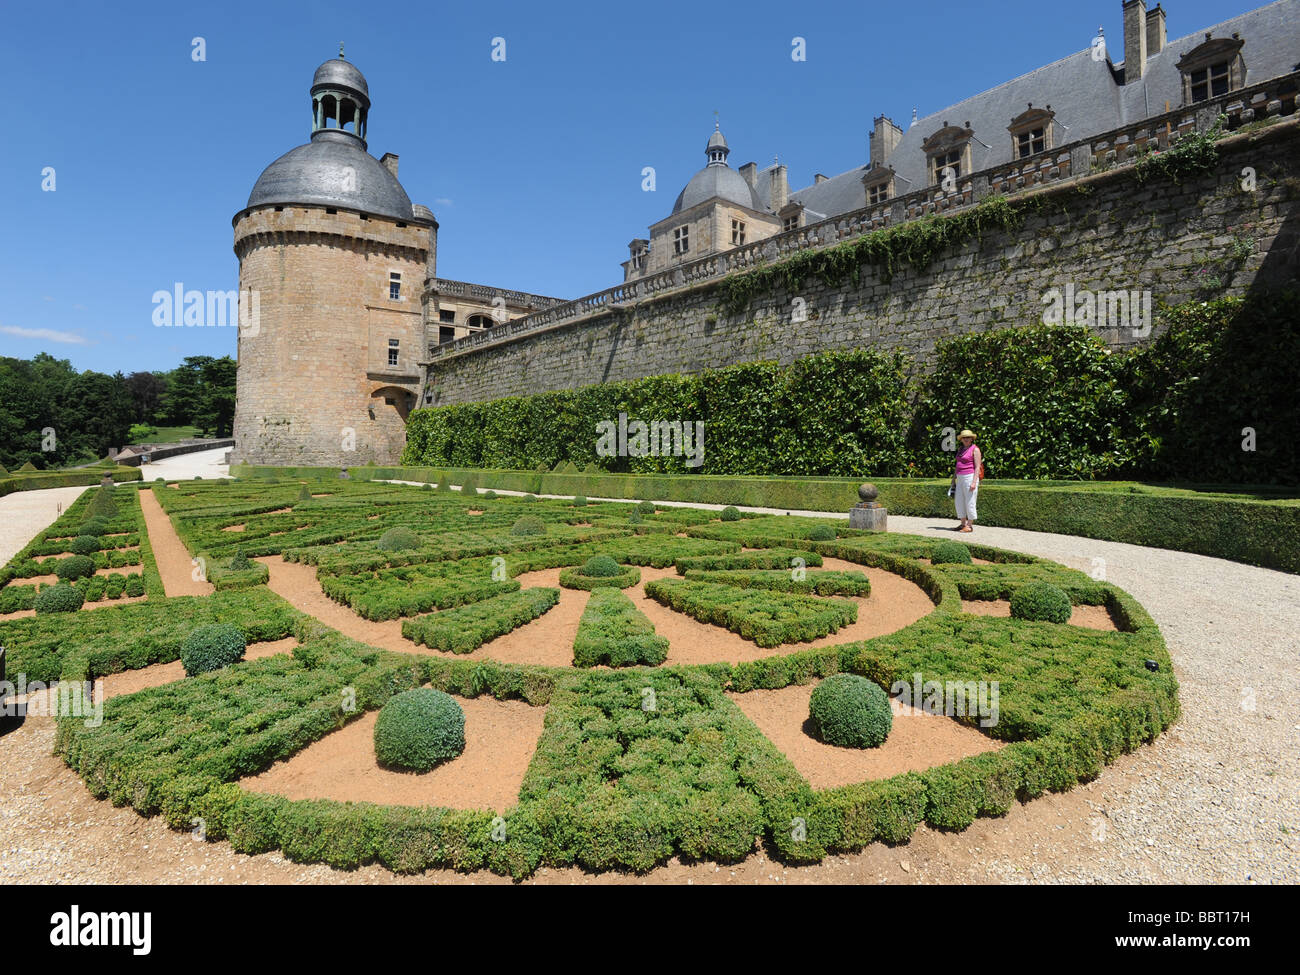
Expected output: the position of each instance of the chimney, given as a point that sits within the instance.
(1156, 30)
(389, 162)
(819, 179)
(750, 172)
(1135, 40)
(780, 195)
(884, 140)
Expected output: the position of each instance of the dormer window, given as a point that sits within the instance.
(790, 223)
(878, 183)
(1031, 131)
(942, 162)
(1209, 81)
(682, 240)
(1213, 68)
(948, 152)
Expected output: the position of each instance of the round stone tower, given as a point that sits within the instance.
(332, 262)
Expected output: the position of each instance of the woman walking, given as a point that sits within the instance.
(966, 479)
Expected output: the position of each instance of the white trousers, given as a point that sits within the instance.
(964, 497)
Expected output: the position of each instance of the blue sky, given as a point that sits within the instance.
(532, 165)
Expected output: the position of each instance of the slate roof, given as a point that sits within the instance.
(1088, 97)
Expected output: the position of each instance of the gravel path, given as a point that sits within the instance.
(202, 463)
(24, 514)
(1216, 799)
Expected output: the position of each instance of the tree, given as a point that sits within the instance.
(147, 391)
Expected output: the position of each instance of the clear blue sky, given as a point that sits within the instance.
(532, 166)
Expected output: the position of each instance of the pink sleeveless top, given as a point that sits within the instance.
(966, 460)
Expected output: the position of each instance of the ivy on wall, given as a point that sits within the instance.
(1047, 402)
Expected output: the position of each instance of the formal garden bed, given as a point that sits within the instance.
(642, 746)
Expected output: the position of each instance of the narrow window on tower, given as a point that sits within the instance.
(395, 285)
(682, 240)
(393, 347)
(737, 233)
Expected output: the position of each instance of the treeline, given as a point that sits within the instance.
(1210, 400)
(52, 415)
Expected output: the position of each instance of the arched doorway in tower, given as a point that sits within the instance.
(389, 408)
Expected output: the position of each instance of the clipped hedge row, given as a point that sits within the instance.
(1256, 527)
(613, 632)
(466, 628)
(813, 583)
(42, 480)
(766, 617)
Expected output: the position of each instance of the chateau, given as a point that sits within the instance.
(356, 328)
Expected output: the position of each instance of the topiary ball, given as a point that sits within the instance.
(528, 525)
(529, 497)
(579, 501)
(601, 567)
(212, 647)
(821, 533)
(396, 539)
(646, 507)
(731, 513)
(490, 495)
(950, 553)
(850, 711)
(419, 729)
(84, 545)
(58, 599)
(1041, 601)
(95, 526)
(75, 567)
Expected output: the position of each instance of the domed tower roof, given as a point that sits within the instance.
(334, 168)
(717, 179)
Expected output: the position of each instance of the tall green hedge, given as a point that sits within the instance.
(835, 413)
(1047, 402)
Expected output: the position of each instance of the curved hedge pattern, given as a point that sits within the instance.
(635, 765)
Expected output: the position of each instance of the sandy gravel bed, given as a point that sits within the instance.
(500, 738)
(173, 558)
(917, 741)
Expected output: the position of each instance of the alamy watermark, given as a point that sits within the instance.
(658, 438)
(952, 699)
(62, 699)
(1098, 309)
(208, 309)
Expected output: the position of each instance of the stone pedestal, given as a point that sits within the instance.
(868, 514)
(872, 517)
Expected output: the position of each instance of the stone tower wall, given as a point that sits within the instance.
(314, 383)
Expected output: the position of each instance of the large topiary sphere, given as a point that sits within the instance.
(1041, 601)
(212, 647)
(75, 567)
(601, 567)
(528, 525)
(396, 539)
(84, 545)
(579, 501)
(731, 513)
(821, 533)
(950, 553)
(95, 527)
(419, 729)
(58, 599)
(850, 711)
(646, 507)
